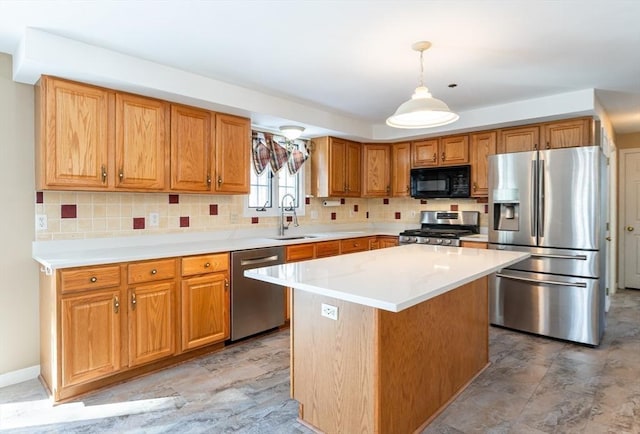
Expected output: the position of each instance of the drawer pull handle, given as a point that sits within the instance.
(94, 279)
(154, 271)
(116, 304)
(207, 265)
(133, 301)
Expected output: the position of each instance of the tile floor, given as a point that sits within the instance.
(534, 385)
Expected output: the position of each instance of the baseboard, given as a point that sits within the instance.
(19, 376)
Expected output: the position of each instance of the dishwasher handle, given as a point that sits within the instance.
(546, 282)
(258, 261)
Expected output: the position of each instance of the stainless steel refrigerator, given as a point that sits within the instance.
(549, 203)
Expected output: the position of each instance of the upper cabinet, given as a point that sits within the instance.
(336, 168)
(90, 138)
(443, 151)
(141, 151)
(400, 169)
(551, 135)
(73, 135)
(482, 145)
(192, 133)
(233, 144)
(376, 176)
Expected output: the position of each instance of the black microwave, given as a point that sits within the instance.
(437, 182)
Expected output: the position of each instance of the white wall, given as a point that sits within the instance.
(19, 330)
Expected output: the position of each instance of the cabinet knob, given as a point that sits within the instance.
(93, 279)
(133, 301)
(116, 304)
(208, 179)
(219, 181)
(121, 174)
(207, 265)
(154, 271)
(435, 157)
(444, 156)
(104, 174)
(548, 145)
(408, 188)
(475, 186)
(226, 283)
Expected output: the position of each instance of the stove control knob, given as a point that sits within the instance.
(447, 242)
(438, 241)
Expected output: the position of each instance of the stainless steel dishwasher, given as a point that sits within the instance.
(256, 306)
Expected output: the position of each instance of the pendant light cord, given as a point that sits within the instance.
(421, 68)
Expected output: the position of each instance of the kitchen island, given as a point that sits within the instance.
(409, 331)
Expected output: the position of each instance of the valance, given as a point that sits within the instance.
(274, 151)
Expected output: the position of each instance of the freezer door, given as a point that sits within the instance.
(562, 307)
(512, 198)
(569, 206)
(583, 263)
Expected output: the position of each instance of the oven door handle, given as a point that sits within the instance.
(545, 282)
(542, 255)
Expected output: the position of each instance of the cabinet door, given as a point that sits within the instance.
(90, 332)
(400, 169)
(376, 174)
(191, 148)
(151, 322)
(233, 144)
(482, 145)
(388, 241)
(300, 252)
(454, 150)
(518, 139)
(142, 152)
(424, 153)
(337, 170)
(73, 135)
(205, 310)
(353, 169)
(567, 134)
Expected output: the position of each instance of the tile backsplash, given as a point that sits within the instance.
(75, 215)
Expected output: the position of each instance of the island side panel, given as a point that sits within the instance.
(333, 364)
(428, 353)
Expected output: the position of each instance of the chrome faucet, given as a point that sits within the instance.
(292, 209)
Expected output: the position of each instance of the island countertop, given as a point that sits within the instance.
(391, 279)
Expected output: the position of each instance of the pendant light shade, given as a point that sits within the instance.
(422, 110)
(291, 132)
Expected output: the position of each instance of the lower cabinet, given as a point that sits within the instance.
(204, 317)
(90, 335)
(474, 244)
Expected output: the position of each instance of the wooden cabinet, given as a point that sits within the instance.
(151, 304)
(400, 169)
(482, 145)
(299, 252)
(336, 168)
(518, 139)
(550, 135)
(424, 153)
(376, 173)
(90, 324)
(192, 133)
(233, 145)
(567, 134)
(444, 151)
(353, 245)
(73, 134)
(141, 145)
(205, 300)
(325, 249)
(473, 244)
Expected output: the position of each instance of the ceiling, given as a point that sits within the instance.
(349, 59)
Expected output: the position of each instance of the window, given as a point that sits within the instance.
(267, 189)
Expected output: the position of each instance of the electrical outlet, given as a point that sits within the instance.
(154, 219)
(329, 311)
(41, 222)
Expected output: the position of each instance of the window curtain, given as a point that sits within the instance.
(275, 151)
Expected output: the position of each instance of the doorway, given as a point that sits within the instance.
(630, 218)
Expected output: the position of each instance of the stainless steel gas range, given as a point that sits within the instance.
(442, 228)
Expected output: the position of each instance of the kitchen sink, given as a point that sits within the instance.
(292, 237)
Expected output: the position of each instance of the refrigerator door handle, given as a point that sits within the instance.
(546, 282)
(541, 199)
(534, 170)
(578, 257)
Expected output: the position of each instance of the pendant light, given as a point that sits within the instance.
(422, 110)
(291, 132)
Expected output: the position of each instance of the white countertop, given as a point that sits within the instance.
(53, 255)
(392, 279)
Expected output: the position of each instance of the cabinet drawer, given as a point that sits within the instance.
(89, 278)
(327, 248)
(353, 245)
(204, 264)
(300, 252)
(152, 270)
